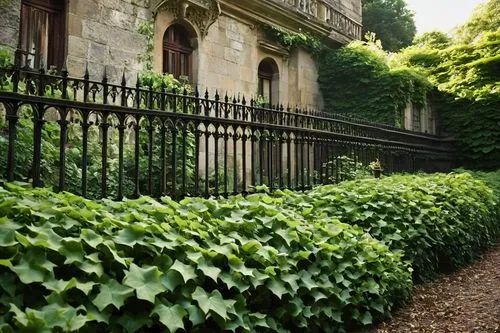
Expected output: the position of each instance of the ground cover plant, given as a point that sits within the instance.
(441, 222)
(240, 264)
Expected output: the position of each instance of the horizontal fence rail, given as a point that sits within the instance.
(99, 139)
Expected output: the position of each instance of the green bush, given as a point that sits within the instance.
(441, 222)
(241, 264)
(492, 179)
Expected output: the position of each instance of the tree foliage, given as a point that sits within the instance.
(391, 21)
(434, 39)
(485, 18)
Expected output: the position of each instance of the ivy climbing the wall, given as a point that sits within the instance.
(288, 39)
(358, 80)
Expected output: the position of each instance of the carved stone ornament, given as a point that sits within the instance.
(201, 13)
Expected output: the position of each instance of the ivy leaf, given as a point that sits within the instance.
(91, 238)
(211, 302)
(145, 281)
(172, 317)
(209, 270)
(72, 250)
(186, 271)
(172, 280)
(277, 288)
(130, 236)
(7, 237)
(112, 293)
(251, 246)
(33, 267)
(366, 318)
(196, 316)
(133, 321)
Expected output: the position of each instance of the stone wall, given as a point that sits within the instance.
(9, 23)
(304, 90)
(104, 33)
(228, 58)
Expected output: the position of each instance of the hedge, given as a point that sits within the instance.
(440, 221)
(242, 264)
(336, 258)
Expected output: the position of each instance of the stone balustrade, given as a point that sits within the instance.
(327, 12)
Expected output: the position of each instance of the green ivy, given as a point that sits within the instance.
(358, 80)
(441, 222)
(238, 264)
(147, 30)
(289, 40)
(468, 79)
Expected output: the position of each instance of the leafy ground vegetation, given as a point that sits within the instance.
(440, 222)
(334, 259)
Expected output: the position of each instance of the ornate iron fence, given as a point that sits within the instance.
(100, 139)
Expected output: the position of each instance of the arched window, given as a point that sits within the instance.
(42, 34)
(269, 81)
(177, 51)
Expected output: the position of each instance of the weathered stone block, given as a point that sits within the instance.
(113, 37)
(231, 55)
(9, 37)
(86, 9)
(76, 66)
(97, 52)
(74, 25)
(236, 45)
(118, 19)
(78, 47)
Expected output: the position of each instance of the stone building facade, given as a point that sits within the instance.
(214, 44)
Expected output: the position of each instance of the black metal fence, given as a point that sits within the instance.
(100, 139)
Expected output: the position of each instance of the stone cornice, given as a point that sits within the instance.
(271, 48)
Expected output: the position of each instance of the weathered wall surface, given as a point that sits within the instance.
(304, 89)
(104, 33)
(10, 12)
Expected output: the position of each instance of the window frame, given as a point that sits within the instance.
(55, 35)
(177, 53)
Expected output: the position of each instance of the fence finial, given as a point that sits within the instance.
(124, 80)
(105, 75)
(86, 75)
(64, 69)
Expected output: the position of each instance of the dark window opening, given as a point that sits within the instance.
(177, 51)
(42, 33)
(268, 81)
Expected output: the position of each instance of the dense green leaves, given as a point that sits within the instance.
(238, 264)
(441, 222)
(329, 260)
(357, 80)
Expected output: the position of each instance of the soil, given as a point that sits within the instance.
(465, 301)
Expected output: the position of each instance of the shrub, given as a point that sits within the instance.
(441, 222)
(241, 264)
